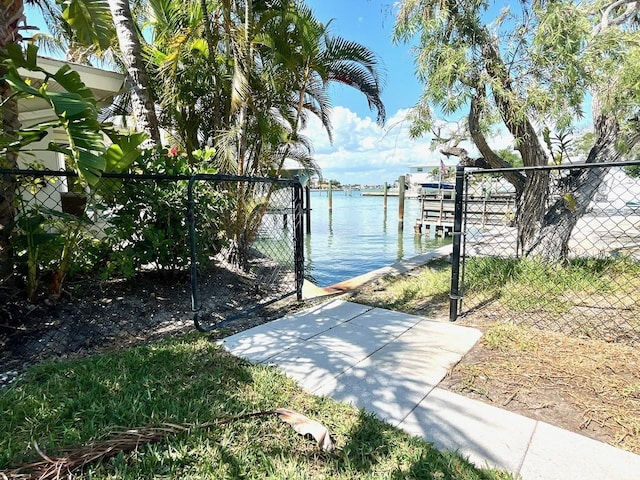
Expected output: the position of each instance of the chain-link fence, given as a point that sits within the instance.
(259, 237)
(133, 257)
(564, 255)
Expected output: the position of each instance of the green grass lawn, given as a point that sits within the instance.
(518, 285)
(189, 380)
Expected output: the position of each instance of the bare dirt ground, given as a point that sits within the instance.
(96, 316)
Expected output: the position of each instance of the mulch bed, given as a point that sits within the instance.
(97, 316)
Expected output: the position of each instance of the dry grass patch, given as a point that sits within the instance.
(588, 386)
(424, 291)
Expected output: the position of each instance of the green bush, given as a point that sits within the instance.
(47, 243)
(146, 220)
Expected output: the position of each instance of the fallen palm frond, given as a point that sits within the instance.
(129, 440)
(55, 468)
(305, 426)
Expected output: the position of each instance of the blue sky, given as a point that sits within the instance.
(370, 22)
(362, 152)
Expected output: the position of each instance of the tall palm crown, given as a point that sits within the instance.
(297, 59)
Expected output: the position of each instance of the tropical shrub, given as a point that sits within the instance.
(73, 111)
(146, 220)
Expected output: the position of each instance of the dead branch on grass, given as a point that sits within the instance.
(129, 440)
(56, 468)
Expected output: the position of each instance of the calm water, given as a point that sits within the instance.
(358, 237)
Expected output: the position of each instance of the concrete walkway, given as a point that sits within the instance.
(390, 363)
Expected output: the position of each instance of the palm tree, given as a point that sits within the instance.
(188, 75)
(284, 62)
(235, 77)
(313, 59)
(104, 30)
(243, 77)
(11, 14)
(95, 43)
(141, 94)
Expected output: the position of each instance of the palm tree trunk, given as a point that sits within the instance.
(11, 13)
(10, 124)
(143, 105)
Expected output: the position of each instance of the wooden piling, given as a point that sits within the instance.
(401, 203)
(330, 194)
(386, 188)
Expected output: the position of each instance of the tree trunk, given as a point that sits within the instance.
(11, 13)
(141, 98)
(552, 239)
(10, 124)
(518, 180)
(531, 204)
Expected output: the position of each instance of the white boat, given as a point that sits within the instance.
(427, 180)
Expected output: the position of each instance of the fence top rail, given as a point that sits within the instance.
(153, 176)
(237, 178)
(571, 166)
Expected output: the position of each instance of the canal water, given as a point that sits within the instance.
(359, 236)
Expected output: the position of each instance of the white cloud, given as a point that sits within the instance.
(364, 153)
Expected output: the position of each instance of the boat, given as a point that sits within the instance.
(428, 180)
(436, 189)
(420, 181)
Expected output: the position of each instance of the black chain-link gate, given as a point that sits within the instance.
(138, 256)
(258, 235)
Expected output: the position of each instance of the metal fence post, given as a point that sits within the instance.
(191, 219)
(307, 209)
(454, 294)
(298, 244)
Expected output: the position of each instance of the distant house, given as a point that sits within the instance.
(426, 179)
(419, 174)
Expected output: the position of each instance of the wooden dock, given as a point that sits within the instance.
(438, 213)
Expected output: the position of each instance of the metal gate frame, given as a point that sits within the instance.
(455, 295)
(298, 243)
